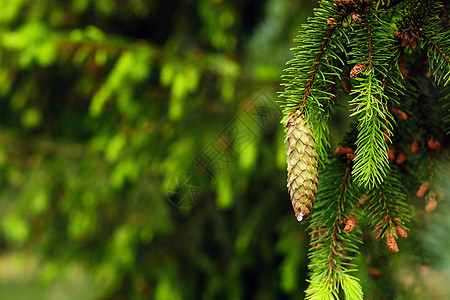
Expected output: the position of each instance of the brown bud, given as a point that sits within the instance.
(351, 156)
(404, 42)
(401, 232)
(355, 18)
(374, 272)
(343, 2)
(391, 153)
(422, 189)
(433, 144)
(363, 199)
(331, 22)
(439, 194)
(431, 205)
(401, 158)
(404, 72)
(392, 244)
(424, 270)
(342, 150)
(350, 225)
(387, 135)
(378, 234)
(356, 69)
(399, 113)
(410, 36)
(398, 33)
(415, 146)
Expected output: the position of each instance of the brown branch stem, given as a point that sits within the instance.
(369, 36)
(334, 242)
(436, 46)
(319, 55)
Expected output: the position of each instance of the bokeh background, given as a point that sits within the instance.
(142, 156)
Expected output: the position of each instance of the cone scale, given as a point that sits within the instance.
(301, 165)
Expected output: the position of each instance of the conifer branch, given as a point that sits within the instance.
(388, 209)
(374, 119)
(439, 49)
(316, 66)
(441, 61)
(378, 59)
(316, 62)
(332, 246)
(335, 245)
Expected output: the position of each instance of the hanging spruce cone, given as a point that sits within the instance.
(301, 165)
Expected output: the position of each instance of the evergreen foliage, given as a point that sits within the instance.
(141, 155)
(379, 51)
(138, 149)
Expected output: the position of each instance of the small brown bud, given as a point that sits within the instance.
(350, 225)
(433, 144)
(391, 153)
(401, 232)
(342, 150)
(422, 189)
(404, 72)
(398, 33)
(331, 22)
(401, 158)
(431, 205)
(387, 135)
(374, 272)
(355, 18)
(351, 156)
(410, 36)
(424, 270)
(439, 194)
(404, 42)
(392, 244)
(343, 2)
(415, 146)
(363, 199)
(356, 69)
(399, 113)
(378, 234)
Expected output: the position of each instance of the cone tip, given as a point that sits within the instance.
(300, 217)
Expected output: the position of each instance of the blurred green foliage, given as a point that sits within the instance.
(141, 141)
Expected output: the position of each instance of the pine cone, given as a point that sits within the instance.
(301, 165)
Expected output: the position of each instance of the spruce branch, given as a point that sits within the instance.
(389, 210)
(439, 56)
(385, 82)
(316, 67)
(370, 104)
(332, 246)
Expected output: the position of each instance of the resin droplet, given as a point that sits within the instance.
(300, 217)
